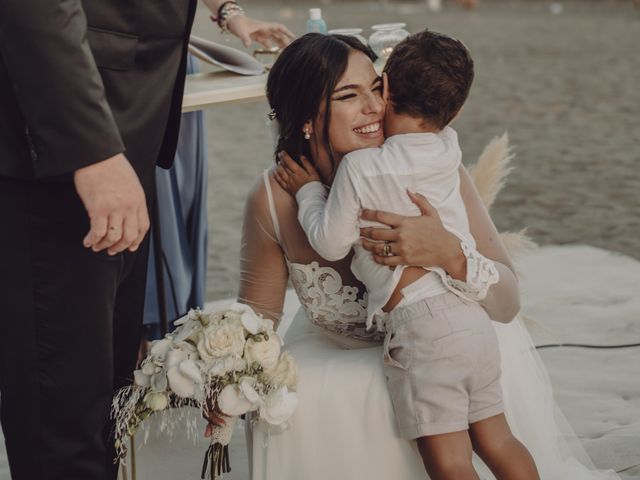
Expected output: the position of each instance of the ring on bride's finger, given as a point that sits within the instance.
(386, 250)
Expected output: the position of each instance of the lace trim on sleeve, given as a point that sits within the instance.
(481, 275)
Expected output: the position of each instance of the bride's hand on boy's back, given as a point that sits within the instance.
(291, 176)
(415, 241)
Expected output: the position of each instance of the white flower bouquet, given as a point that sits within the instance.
(230, 360)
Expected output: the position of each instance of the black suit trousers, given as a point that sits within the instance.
(70, 324)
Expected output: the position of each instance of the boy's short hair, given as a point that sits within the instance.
(430, 76)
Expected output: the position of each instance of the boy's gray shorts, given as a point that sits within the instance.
(442, 364)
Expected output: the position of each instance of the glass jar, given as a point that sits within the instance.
(385, 37)
(352, 32)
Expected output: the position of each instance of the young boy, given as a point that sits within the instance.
(440, 352)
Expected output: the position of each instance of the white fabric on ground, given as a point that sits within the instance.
(576, 294)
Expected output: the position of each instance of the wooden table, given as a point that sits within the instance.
(206, 89)
(203, 90)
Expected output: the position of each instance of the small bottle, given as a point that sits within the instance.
(316, 24)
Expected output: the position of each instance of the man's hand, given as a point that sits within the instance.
(291, 176)
(249, 30)
(114, 199)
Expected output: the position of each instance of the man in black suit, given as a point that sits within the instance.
(90, 100)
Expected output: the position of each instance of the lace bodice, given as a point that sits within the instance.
(329, 303)
(275, 251)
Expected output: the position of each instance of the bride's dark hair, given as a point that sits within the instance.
(303, 76)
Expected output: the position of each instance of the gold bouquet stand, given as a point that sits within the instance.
(131, 474)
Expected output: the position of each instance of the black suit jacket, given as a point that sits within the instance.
(81, 81)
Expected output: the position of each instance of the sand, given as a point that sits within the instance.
(565, 88)
(597, 389)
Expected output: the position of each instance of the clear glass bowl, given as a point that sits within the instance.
(385, 37)
(352, 32)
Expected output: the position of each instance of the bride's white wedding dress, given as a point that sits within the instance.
(344, 427)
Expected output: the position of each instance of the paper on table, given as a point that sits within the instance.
(226, 57)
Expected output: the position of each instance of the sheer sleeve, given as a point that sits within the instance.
(263, 269)
(502, 301)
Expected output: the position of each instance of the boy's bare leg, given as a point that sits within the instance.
(506, 457)
(448, 456)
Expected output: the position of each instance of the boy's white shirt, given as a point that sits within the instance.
(378, 179)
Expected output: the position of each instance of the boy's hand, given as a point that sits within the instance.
(291, 176)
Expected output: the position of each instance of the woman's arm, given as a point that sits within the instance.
(502, 302)
(248, 29)
(423, 240)
(263, 270)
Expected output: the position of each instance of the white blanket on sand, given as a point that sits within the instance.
(573, 294)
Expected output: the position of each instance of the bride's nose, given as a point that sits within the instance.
(373, 104)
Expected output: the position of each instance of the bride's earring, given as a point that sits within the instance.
(307, 135)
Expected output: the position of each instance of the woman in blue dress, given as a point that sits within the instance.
(182, 193)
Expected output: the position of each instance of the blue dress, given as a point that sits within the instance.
(182, 212)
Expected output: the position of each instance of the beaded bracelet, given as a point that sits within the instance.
(227, 11)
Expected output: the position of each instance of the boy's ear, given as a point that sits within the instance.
(385, 87)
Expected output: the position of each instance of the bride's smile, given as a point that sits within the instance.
(370, 131)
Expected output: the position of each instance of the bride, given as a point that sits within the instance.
(344, 427)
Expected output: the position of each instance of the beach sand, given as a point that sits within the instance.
(565, 88)
(597, 390)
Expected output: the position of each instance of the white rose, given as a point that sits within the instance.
(265, 352)
(140, 379)
(215, 317)
(232, 401)
(185, 347)
(148, 368)
(189, 369)
(232, 319)
(285, 372)
(278, 406)
(221, 366)
(189, 331)
(159, 348)
(185, 379)
(236, 364)
(156, 401)
(247, 386)
(217, 367)
(175, 357)
(220, 341)
(158, 382)
(252, 322)
(154, 363)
